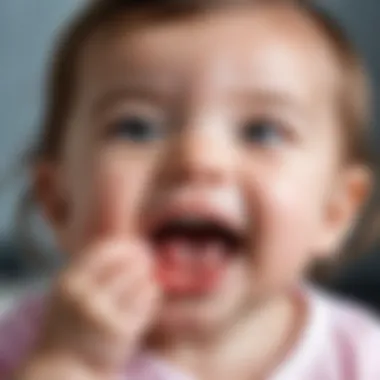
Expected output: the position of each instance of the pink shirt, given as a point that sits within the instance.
(340, 342)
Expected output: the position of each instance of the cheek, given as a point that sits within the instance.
(107, 197)
(288, 208)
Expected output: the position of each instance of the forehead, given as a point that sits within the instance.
(270, 49)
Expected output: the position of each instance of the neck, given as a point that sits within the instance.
(255, 344)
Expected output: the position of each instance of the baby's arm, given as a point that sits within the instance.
(98, 310)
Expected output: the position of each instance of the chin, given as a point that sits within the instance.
(186, 314)
(192, 319)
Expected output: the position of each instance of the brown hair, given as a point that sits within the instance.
(355, 101)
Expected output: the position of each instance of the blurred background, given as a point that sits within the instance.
(27, 32)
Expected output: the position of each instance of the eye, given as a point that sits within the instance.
(262, 132)
(136, 129)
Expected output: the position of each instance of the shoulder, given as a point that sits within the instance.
(18, 331)
(352, 337)
(348, 317)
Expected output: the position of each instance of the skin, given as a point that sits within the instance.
(247, 105)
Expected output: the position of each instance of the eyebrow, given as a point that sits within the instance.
(276, 98)
(158, 93)
(137, 90)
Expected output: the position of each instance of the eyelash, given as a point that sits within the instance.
(137, 129)
(264, 131)
(259, 132)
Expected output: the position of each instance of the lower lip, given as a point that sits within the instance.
(176, 283)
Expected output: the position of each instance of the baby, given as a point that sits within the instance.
(197, 158)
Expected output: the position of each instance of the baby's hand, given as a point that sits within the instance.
(101, 306)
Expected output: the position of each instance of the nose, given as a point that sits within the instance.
(201, 156)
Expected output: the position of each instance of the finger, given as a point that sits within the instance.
(107, 255)
(140, 305)
(129, 300)
(118, 201)
(124, 280)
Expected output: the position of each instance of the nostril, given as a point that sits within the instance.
(200, 157)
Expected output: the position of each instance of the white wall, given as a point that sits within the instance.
(27, 28)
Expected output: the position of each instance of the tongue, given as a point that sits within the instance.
(190, 266)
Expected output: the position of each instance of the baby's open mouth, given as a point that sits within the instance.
(193, 249)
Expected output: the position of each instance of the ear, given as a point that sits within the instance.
(348, 197)
(49, 194)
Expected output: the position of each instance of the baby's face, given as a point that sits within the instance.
(215, 139)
